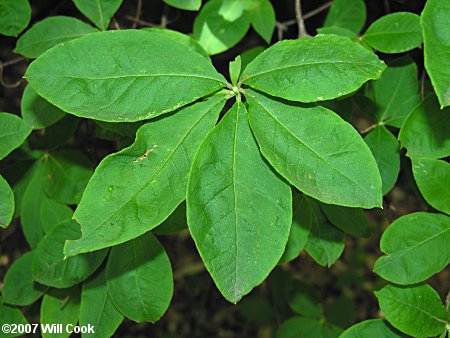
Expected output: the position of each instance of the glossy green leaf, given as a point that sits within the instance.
(15, 16)
(396, 93)
(330, 66)
(386, 151)
(99, 12)
(60, 306)
(425, 132)
(18, 285)
(180, 38)
(296, 327)
(221, 24)
(415, 310)
(33, 198)
(352, 221)
(50, 32)
(395, 33)
(240, 226)
(431, 177)
(416, 247)
(139, 278)
(51, 268)
(300, 228)
(325, 242)
(13, 131)
(53, 213)
(176, 222)
(188, 5)
(262, 18)
(97, 308)
(67, 173)
(7, 203)
(435, 29)
(38, 112)
(372, 328)
(349, 14)
(340, 171)
(10, 315)
(133, 75)
(128, 194)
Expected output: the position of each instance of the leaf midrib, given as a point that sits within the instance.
(308, 64)
(132, 76)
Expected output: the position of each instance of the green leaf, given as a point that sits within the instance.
(51, 268)
(249, 55)
(262, 18)
(430, 176)
(414, 310)
(416, 247)
(128, 194)
(132, 75)
(60, 306)
(339, 171)
(221, 24)
(10, 315)
(139, 278)
(330, 66)
(306, 327)
(300, 228)
(97, 308)
(256, 309)
(435, 29)
(18, 285)
(341, 311)
(305, 300)
(394, 33)
(99, 12)
(7, 203)
(188, 5)
(55, 136)
(325, 242)
(180, 38)
(396, 93)
(235, 70)
(66, 174)
(49, 33)
(372, 328)
(33, 198)
(340, 31)
(15, 16)
(13, 132)
(53, 213)
(176, 222)
(352, 221)
(386, 151)
(240, 226)
(425, 132)
(349, 14)
(38, 112)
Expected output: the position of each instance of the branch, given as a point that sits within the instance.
(300, 21)
(138, 14)
(6, 84)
